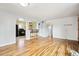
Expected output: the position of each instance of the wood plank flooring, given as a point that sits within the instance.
(40, 47)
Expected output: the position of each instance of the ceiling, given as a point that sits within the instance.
(42, 10)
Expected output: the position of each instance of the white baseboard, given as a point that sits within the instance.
(66, 39)
(7, 44)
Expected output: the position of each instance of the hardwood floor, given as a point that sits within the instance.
(40, 47)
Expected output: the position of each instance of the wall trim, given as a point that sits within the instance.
(64, 39)
(7, 44)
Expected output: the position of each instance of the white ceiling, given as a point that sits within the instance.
(42, 10)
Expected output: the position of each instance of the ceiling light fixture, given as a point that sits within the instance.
(24, 4)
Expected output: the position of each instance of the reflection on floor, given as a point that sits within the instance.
(40, 47)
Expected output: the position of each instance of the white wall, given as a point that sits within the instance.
(62, 28)
(7, 28)
(43, 30)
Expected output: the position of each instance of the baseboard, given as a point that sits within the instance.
(7, 44)
(65, 39)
